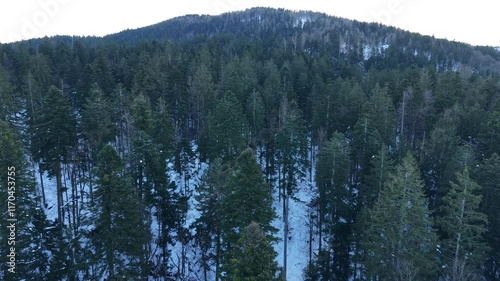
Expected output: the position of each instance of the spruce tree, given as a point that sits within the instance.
(119, 223)
(228, 129)
(247, 199)
(211, 199)
(10, 104)
(488, 174)
(398, 241)
(53, 137)
(462, 226)
(253, 257)
(97, 120)
(334, 204)
(381, 166)
(18, 194)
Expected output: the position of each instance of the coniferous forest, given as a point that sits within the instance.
(258, 145)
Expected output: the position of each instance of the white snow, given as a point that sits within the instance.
(298, 221)
(187, 183)
(301, 21)
(369, 50)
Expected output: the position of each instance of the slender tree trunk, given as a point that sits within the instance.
(41, 185)
(60, 213)
(285, 246)
(311, 228)
(217, 255)
(75, 201)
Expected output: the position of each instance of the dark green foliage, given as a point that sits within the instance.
(228, 130)
(488, 176)
(462, 226)
(248, 198)
(398, 242)
(289, 91)
(252, 258)
(437, 153)
(212, 196)
(381, 166)
(53, 136)
(334, 204)
(30, 241)
(490, 133)
(9, 104)
(291, 146)
(97, 120)
(118, 236)
(375, 126)
(54, 133)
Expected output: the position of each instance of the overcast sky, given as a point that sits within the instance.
(475, 22)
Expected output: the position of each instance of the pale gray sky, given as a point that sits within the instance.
(475, 22)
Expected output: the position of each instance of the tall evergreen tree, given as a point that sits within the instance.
(398, 240)
(53, 137)
(462, 226)
(334, 204)
(248, 198)
(252, 258)
(97, 120)
(211, 199)
(228, 129)
(381, 166)
(10, 104)
(18, 194)
(488, 174)
(374, 128)
(118, 235)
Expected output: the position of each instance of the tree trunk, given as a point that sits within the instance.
(60, 213)
(285, 246)
(41, 185)
(217, 255)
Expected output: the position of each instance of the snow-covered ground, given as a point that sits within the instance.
(298, 236)
(298, 240)
(369, 50)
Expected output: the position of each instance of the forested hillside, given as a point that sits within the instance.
(257, 145)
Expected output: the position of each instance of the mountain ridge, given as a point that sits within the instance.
(308, 31)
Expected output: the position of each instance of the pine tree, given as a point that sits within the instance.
(53, 137)
(119, 223)
(374, 128)
(97, 120)
(202, 89)
(247, 199)
(398, 241)
(437, 153)
(490, 132)
(9, 104)
(488, 174)
(255, 116)
(252, 258)
(227, 129)
(17, 191)
(381, 166)
(211, 198)
(148, 168)
(334, 204)
(462, 226)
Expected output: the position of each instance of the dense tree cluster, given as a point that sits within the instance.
(401, 150)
